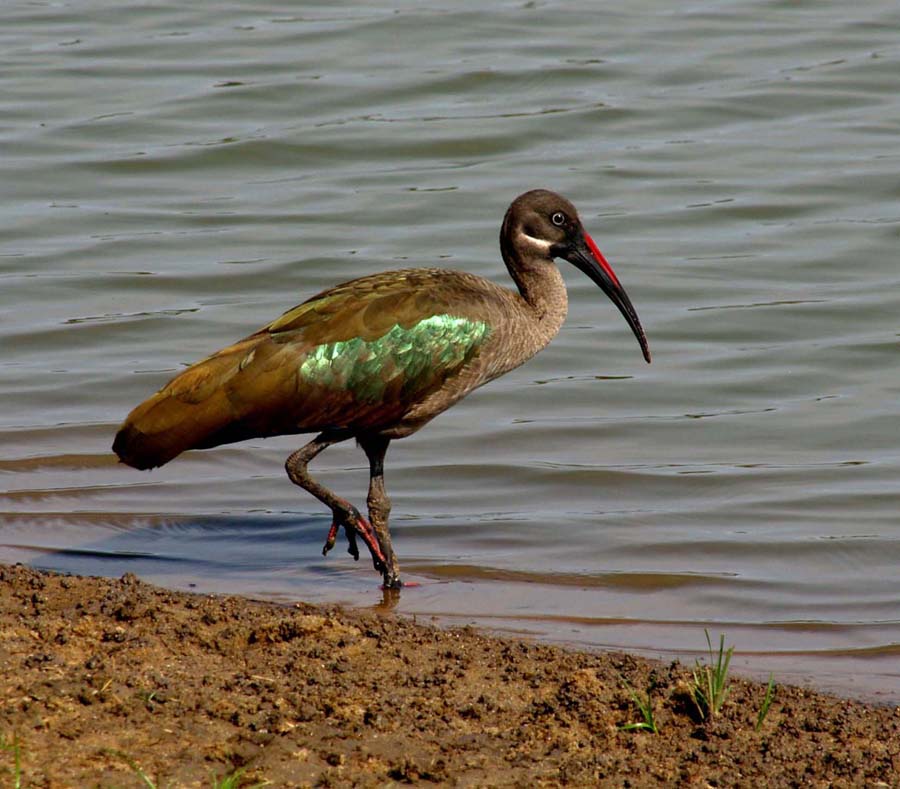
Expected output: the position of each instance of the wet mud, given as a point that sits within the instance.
(105, 680)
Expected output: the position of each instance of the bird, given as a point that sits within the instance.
(375, 359)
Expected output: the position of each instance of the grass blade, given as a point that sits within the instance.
(14, 746)
(710, 688)
(134, 767)
(767, 702)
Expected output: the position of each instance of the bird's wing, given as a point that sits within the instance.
(357, 356)
(361, 353)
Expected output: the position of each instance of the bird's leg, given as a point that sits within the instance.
(380, 508)
(344, 513)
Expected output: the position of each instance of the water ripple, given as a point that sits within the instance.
(176, 178)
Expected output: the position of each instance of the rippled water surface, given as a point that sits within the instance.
(176, 176)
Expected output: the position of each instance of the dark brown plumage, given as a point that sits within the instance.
(375, 359)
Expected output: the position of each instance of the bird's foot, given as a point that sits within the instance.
(355, 525)
(352, 547)
(392, 582)
(331, 538)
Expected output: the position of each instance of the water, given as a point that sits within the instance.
(175, 177)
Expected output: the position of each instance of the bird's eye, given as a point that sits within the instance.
(558, 219)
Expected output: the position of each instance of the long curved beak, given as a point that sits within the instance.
(583, 254)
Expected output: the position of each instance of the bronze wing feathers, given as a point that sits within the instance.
(357, 356)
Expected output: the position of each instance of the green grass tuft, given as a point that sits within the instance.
(710, 686)
(767, 702)
(234, 781)
(646, 709)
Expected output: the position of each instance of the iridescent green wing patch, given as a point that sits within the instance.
(421, 356)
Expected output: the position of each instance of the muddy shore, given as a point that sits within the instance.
(104, 678)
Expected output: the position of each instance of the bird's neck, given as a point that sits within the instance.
(543, 290)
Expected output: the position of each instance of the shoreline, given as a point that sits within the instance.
(103, 678)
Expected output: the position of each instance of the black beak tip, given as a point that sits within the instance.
(645, 348)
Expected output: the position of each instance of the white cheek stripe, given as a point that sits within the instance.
(540, 243)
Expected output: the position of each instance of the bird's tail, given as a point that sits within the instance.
(163, 427)
(195, 410)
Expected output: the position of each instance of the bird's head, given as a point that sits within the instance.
(541, 225)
